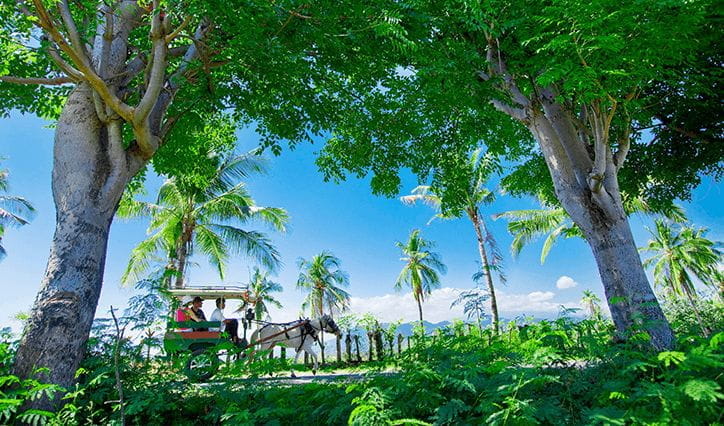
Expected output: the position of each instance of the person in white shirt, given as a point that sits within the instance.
(228, 325)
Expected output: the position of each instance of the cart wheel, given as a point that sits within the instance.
(201, 365)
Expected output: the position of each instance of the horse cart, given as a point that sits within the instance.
(204, 347)
(195, 339)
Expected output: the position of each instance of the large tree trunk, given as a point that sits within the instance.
(475, 218)
(630, 297)
(90, 172)
(601, 216)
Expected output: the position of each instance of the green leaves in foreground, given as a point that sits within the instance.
(552, 372)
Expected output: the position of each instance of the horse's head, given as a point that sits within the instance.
(328, 325)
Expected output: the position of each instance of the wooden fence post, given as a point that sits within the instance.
(306, 358)
(348, 344)
(321, 347)
(283, 353)
(399, 343)
(339, 349)
(356, 342)
(379, 345)
(371, 344)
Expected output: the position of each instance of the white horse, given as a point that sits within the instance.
(299, 335)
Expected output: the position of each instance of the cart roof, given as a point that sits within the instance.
(212, 292)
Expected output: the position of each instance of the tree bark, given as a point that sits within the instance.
(630, 298)
(475, 218)
(600, 214)
(90, 172)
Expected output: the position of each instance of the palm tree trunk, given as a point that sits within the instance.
(182, 253)
(475, 218)
(419, 308)
(704, 329)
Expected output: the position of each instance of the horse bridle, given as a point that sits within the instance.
(325, 321)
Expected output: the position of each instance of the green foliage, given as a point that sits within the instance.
(422, 267)
(437, 106)
(551, 372)
(679, 253)
(261, 288)
(323, 280)
(683, 317)
(210, 218)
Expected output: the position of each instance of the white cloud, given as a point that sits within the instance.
(395, 306)
(537, 303)
(402, 306)
(565, 282)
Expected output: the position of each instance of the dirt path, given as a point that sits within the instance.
(304, 377)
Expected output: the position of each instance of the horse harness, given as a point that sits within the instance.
(306, 330)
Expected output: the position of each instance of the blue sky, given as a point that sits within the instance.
(346, 218)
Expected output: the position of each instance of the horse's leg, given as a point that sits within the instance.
(310, 351)
(296, 357)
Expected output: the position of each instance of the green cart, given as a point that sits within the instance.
(187, 338)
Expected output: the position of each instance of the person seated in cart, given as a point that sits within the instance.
(228, 325)
(182, 312)
(191, 313)
(196, 313)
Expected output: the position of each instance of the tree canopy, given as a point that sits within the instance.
(658, 77)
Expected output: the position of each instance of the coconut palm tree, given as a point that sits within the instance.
(208, 217)
(322, 279)
(591, 302)
(421, 270)
(260, 294)
(554, 223)
(679, 254)
(14, 211)
(478, 168)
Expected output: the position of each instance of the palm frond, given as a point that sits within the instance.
(253, 244)
(214, 246)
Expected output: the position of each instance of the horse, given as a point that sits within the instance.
(299, 335)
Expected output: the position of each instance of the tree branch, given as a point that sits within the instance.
(517, 113)
(499, 68)
(177, 31)
(88, 73)
(623, 148)
(157, 71)
(43, 81)
(72, 31)
(62, 64)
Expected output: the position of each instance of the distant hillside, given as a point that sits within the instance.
(406, 329)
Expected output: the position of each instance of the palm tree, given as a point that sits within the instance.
(478, 168)
(680, 254)
(554, 222)
(421, 270)
(591, 302)
(187, 216)
(260, 294)
(14, 211)
(473, 302)
(323, 279)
